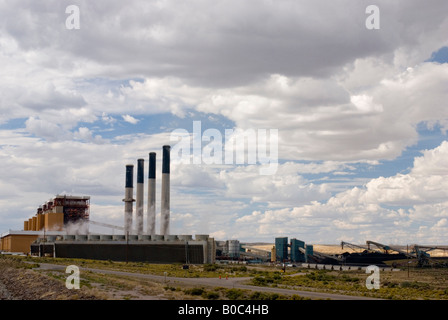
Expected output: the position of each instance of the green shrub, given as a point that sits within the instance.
(297, 297)
(320, 276)
(169, 288)
(210, 267)
(414, 285)
(210, 295)
(269, 279)
(234, 294)
(347, 278)
(194, 291)
(257, 295)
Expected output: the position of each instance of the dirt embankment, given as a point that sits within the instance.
(19, 283)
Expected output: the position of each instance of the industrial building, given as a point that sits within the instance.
(58, 212)
(295, 251)
(146, 248)
(50, 219)
(47, 233)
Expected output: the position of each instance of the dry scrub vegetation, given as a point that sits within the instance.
(19, 282)
(20, 278)
(419, 284)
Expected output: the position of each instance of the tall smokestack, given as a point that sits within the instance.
(128, 199)
(139, 203)
(151, 221)
(165, 213)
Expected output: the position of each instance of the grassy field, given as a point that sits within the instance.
(107, 286)
(418, 284)
(421, 284)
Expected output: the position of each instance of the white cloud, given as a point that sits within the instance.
(86, 134)
(338, 94)
(130, 119)
(370, 123)
(358, 213)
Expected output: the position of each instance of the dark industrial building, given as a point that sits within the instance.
(172, 249)
(295, 251)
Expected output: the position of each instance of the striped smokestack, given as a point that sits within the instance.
(165, 213)
(128, 199)
(151, 221)
(139, 203)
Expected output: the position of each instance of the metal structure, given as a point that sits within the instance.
(106, 225)
(74, 208)
(296, 254)
(59, 212)
(281, 249)
(151, 206)
(388, 248)
(418, 248)
(315, 255)
(255, 253)
(233, 248)
(128, 198)
(424, 257)
(353, 246)
(139, 197)
(151, 210)
(165, 203)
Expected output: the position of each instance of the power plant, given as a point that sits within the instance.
(60, 228)
(48, 233)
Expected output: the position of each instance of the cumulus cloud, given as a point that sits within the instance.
(338, 94)
(130, 119)
(373, 210)
(372, 123)
(360, 104)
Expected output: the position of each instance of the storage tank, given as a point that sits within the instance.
(233, 248)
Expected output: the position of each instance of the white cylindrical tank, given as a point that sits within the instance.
(233, 248)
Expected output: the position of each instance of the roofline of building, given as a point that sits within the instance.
(32, 233)
(58, 196)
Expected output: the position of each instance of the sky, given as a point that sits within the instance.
(357, 115)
